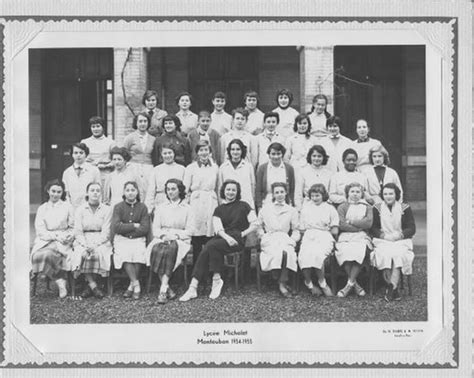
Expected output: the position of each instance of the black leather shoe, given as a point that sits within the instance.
(86, 293)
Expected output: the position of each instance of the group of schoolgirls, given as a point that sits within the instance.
(186, 179)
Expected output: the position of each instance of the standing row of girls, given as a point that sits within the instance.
(318, 155)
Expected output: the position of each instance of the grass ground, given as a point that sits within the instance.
(245, 305)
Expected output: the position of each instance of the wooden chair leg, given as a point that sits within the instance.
(185, 272)
(72, 283)
(295, 281)
(372, 274)
(333, 267)
(150, 276)
(401, 282)
(258, 269)
(110, 287)
(236, 271)
(409, 285)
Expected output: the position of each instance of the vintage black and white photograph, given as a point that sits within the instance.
(324, 152)
(235, 186)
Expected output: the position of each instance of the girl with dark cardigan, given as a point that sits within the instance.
(172, 136)
(392, 230)
(233, 221)
(276, 170)
(130, 227)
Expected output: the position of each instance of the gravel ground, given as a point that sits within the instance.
(245, 305)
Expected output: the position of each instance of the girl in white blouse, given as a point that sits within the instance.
(172, 229)
(379, 173)
(160, 174)
(284, 99)
(276, 220)
(52, 253)
(139, 144)
(200, 180)
(318, 116)
(298, 145)
(320, 223)
(363, 144)
(315, 172)
(92, 239)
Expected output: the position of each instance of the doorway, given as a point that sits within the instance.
(77, 83)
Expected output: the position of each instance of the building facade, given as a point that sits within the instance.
(383, 84)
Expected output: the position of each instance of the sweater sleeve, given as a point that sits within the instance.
(187, 152)
(344, 226)
(408, 223)
(259, 190)
(144, 221)
(156, 152)
(117, 226)
(376, 229)
(291, 184)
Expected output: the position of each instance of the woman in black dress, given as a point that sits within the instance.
(233, 221)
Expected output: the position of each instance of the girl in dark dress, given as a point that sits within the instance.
(233, 221)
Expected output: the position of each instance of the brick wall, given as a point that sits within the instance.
(414, 133)
(135, 83)
(35, 139)
(278, 68)
(317, 74)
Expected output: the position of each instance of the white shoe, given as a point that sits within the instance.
(190, 294)
(344, 292)
(216, 289)
(359, 290)
(62, 287)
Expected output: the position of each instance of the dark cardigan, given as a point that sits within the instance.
(408, 222)
(181, 146)
(125, 215)
(214, 138)
(261, 183)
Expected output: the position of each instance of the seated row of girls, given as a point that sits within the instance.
(87, 249)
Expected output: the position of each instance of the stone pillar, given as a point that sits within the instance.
(135, 76)
(316, 74)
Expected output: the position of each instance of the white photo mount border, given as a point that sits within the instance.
(441, 38)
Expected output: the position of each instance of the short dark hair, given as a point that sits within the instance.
(181, 94)
(251, 93)
(135, 119)
(148, 94)
(352, 185)
(55, 182)
(242, 111)
(81, 146)
(393, 186)
(348, 152)
(318, 188)
(270, 115)
(280, 185)
(122, 151)
(224, 185)
(320, 149)
(168, 146)
(89, 185)
(298, 119)
(242, 146)
(334, 120)
(174, 118)
(201, 144)
(286, 92)
(381, 149)
(135, 185)
(204, 113)
(179, 184)
(97, 120)
(219, 94)
(277, 147)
